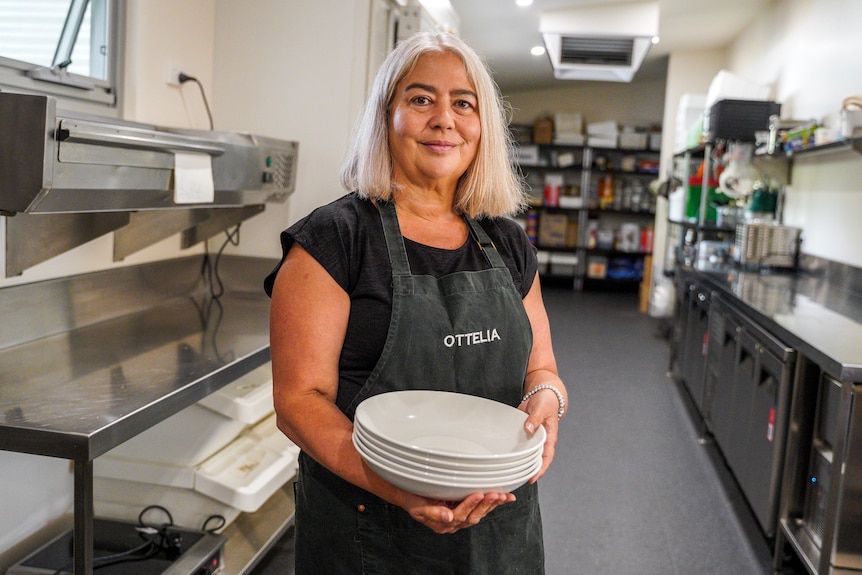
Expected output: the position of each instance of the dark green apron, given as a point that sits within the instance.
(466, 332)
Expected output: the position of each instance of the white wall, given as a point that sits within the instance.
(297, 71)
(810, 52)
(640, 104)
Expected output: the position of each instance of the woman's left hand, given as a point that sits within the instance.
(542, 410)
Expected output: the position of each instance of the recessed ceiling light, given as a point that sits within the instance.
(537, 50)
(523, 2)
(654, 39)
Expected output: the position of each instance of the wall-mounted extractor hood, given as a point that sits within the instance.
(55, 162)
(605, 43)
(66, 179)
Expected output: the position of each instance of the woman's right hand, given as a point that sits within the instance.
(447, 517)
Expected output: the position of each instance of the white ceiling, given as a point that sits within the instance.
(504, 33)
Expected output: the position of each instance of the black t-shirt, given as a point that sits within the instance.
(346, 238)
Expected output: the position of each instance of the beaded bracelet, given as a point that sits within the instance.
(559, 395)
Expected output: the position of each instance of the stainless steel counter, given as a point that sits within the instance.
(822, 322)
(90, 361)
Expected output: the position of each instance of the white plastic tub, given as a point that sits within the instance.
(248, 399)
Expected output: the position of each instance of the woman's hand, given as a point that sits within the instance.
(542, 409)
(543, 406)
(448, 517)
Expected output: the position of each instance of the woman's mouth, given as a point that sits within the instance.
(439, 146)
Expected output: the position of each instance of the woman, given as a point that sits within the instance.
(368, 290)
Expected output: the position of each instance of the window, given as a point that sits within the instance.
(66, 48)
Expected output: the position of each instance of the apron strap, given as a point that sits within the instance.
(398, 252)
(485, 244)
(394, 239)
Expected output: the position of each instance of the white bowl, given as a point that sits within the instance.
(446, 490)
(453, 425)
(367, 446)
(418, 457)
(437, 479)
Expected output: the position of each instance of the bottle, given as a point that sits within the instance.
(606, 192)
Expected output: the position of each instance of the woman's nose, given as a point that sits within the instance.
(442, 117)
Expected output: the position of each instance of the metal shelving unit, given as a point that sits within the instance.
(129, 347)
(584, 172)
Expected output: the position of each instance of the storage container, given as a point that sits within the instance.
(563, 264)
(634, 140)
(248, 399)
(597, 267)
(124, 500)
(740, 119)
(185, 438)
(714, 198)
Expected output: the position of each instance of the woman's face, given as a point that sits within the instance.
(434, 125)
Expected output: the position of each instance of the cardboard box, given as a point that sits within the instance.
(597, 267)
(521, 133)
(603, 141)
(543, 131)
(634, 141)
(552, 230)
(609, 128)
(572, 234)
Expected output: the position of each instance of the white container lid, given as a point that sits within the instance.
(163, 474)
(268, 434)
(244, 474)
(564, 259)
(186, 438)
(247, 399)
(124, 501)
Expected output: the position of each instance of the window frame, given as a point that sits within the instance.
(76, 91)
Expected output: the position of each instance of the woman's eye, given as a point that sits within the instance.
(422, 100)
(464, 104)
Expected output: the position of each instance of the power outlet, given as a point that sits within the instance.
(174, 71)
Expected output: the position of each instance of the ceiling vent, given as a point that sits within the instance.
(606, 43)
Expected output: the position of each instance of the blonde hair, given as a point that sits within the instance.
(490, 187)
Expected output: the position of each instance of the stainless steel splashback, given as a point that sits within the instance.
(54, 162)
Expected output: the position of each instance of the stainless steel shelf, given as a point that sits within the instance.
(113, 353)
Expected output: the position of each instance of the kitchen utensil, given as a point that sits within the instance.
(766, 245)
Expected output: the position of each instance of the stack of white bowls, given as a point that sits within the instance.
(445, 445)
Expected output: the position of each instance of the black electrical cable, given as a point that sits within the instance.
(220, 518)
(150, 508)
(183, 78)
(149, 545)
(213, 276)
(160, 540)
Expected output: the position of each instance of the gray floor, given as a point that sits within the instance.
(632, 490)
